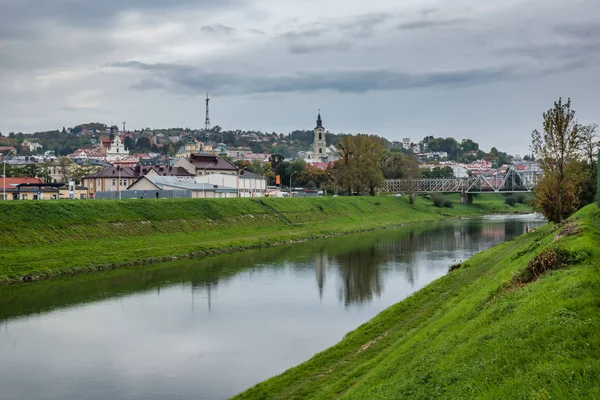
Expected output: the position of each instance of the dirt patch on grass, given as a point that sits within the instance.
(569, 229)
(371, 343)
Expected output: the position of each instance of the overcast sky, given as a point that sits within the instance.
(462, 68)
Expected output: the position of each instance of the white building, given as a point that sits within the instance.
(246, 183)
(406, 143)
(116, 151)
(320, 151)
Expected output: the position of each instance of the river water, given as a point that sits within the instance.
(210, 328)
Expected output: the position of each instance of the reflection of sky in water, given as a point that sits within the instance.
(218, 336)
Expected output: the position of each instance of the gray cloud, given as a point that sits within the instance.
(188, 79)
(19, 17)
(304, 48)
(304, 34)
(218, 29)
(429, 23)
(366, 24)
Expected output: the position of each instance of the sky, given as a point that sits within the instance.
(397, 68)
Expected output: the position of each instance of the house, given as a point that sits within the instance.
(177, 183)
(27, 189)
(202, 164)
(86, 154)
(109, 179)
(117, 178)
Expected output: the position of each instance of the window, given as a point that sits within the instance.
(320, 150)
(114, 182)
(320, 136)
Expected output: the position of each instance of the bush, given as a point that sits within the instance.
(437, 199)
(448, 204)
(520, 197)
(510, 200)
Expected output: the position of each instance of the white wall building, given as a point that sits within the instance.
(117, 150)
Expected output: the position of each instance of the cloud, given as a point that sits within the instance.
(429, 23)
(217, 29)
(188, 79)
(301, 48)
(366, 24)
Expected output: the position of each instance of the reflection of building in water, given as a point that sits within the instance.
(320, 270)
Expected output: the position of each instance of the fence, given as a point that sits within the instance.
(144, 194)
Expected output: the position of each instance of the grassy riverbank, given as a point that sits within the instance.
(44, 239)
(517, 321)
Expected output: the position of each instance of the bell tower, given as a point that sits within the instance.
(319, 144)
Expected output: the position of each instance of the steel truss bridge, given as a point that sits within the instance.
(511, 181)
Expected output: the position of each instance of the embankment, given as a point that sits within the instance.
(517, 321)
(45, 238)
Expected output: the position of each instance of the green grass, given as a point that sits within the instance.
(50, 238)
(475, 333)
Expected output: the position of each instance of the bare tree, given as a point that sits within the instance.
(590, 144)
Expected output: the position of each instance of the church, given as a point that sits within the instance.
(320, 152)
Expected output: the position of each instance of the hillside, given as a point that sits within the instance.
(517, 321)
(43, 239)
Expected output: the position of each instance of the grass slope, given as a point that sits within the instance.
(44, 239)
(479, 332)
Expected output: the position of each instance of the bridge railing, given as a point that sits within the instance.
(512, 180)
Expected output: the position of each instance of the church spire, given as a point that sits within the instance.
(319, 121)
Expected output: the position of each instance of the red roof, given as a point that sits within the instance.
(15, 181)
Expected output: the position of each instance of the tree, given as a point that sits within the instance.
(589, 144)
(144, 143)
(64, 164)
(411, 171)
(556, 149)
(359, 167)
(589, 150)
(391, 165)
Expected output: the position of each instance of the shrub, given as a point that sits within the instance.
(437, 199)
(448, 204)
(510, 200)
(520, 197)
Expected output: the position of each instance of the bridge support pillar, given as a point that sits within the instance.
(466, 198)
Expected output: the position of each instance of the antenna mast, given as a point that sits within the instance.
(207, 119)
(124, 123)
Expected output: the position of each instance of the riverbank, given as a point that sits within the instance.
(516, 321)
(45, 239)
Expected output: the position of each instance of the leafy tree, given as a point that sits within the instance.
(556, 149)
(469, 145)
(143, 143)
(438, 172)
(359, 168)
(391, 165)
(64, 166)
(275, 160)
(411, 171)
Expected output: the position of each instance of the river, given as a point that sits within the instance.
(210, 328)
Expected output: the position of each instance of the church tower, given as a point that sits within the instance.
(319, 144)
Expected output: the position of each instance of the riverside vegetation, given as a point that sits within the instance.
(519, 320)
(45, 239)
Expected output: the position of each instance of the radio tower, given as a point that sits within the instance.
(124, 124)
(207, 119)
